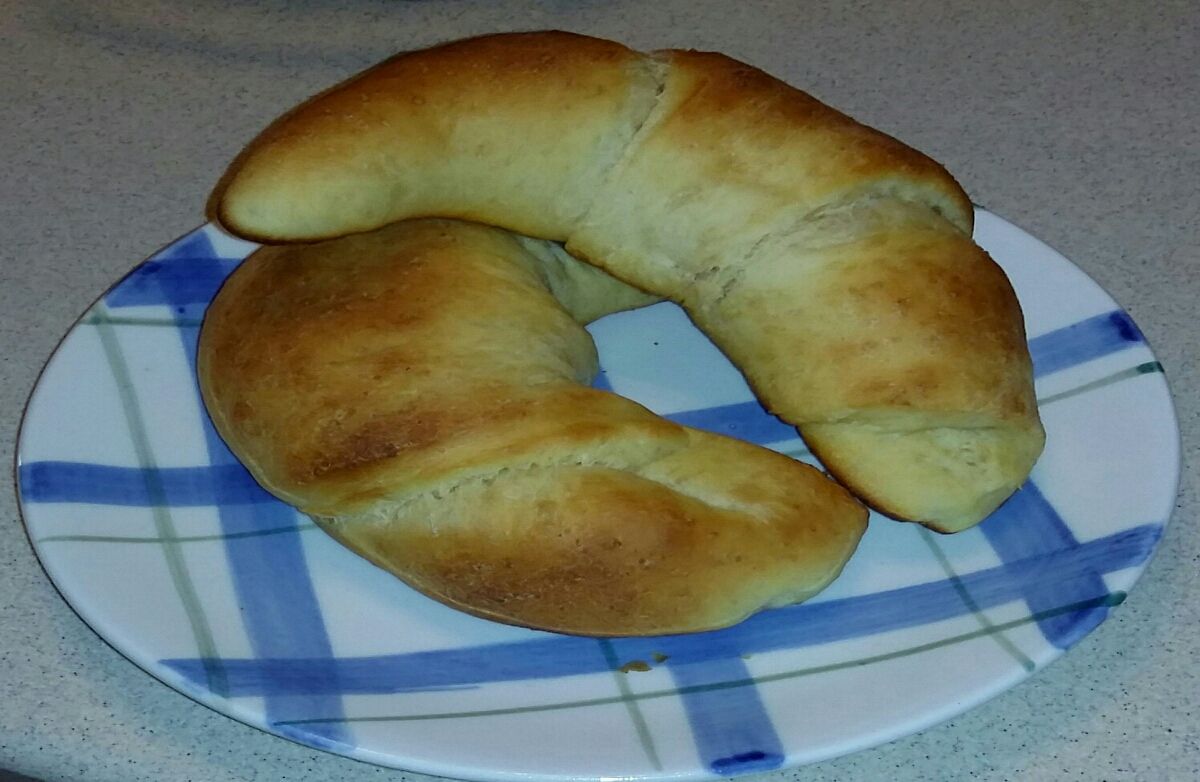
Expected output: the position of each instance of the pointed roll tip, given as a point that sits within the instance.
(221, 209)
(947, 480)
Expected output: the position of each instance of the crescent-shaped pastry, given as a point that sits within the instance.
(833, 264)
(420, 392)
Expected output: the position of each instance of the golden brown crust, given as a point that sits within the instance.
(602, 551)
(731, 157)
(418, 391)
(831, 262)
(412, 136)
(887, 315)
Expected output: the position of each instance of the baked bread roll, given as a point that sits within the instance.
(419, 391)
(833, 264)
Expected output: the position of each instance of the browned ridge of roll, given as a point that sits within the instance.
(833, 264)
(419, 390)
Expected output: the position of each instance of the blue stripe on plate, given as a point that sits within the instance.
(733, 733)
(187, 273)
(228, 484)
(1027, 526)
(748, 421)
(802, 625)
(1083, 341)
(270, 574)
(600, 381)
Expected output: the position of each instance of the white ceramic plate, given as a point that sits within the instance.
(162, 543)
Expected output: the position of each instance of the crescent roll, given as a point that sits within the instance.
(833, 264)
(420, 391)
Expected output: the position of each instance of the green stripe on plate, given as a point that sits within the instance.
(98, 317)
(1150, 367)
(163, 523)
(1000, 638)
(631, 704)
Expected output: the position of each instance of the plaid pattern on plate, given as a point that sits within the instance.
(165, 545)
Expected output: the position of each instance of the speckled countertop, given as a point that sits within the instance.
(1076, 121)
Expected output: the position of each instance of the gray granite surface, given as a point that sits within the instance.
(1077, 121)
